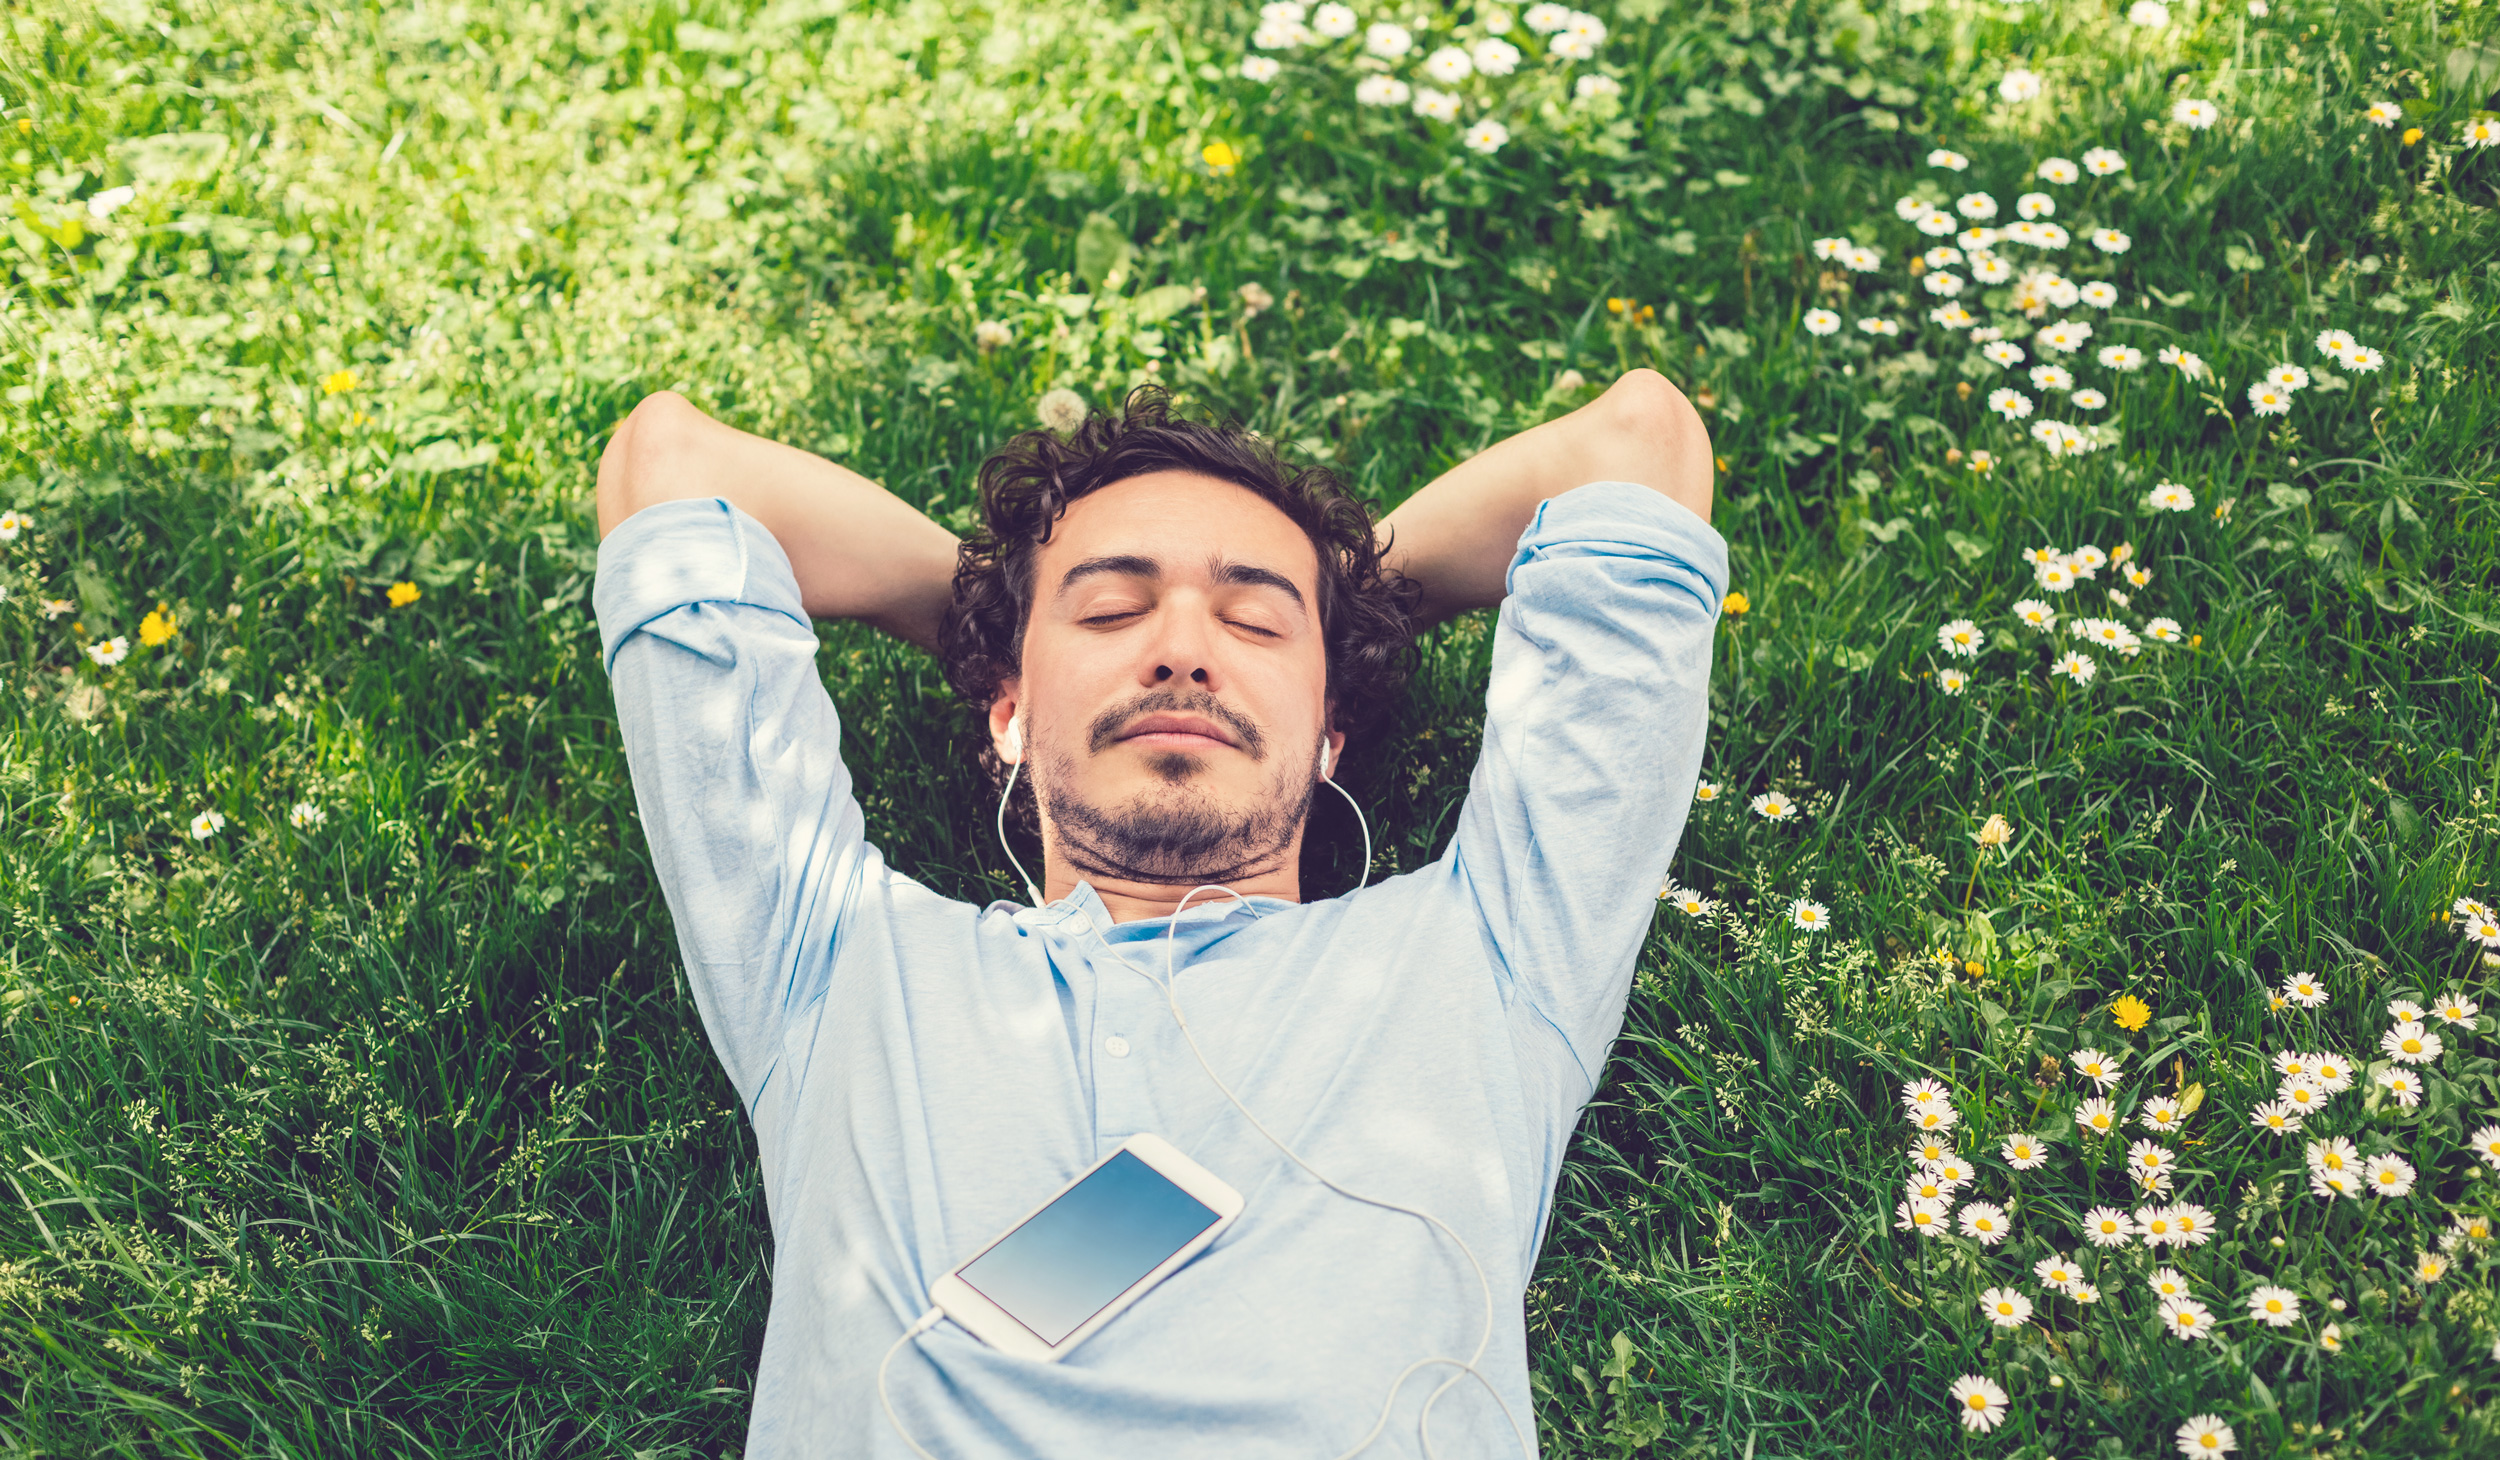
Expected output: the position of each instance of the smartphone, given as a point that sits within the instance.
(1076, 1261)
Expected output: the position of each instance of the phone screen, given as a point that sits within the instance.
(1068, 1260)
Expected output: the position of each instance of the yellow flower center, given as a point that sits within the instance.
(1979, 1401)
(2412, 1046)
(2274, 1305)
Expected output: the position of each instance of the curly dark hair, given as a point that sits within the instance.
(1366, 612)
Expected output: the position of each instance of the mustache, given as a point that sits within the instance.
(1106, 728)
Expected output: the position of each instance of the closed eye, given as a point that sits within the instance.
(1105, 618)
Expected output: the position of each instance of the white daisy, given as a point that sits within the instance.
(2100, 294)
(1334, 21)
(2187, 1318)
(2389, 1175)
(1259, 68)
(2020, 85)
(2087, 399)
(2024, 1152)
(1961, 638)
(2055, 577)
(1494, 57)
(1985, 1223)
(207, 824)
(1978, 1403)
(2382, 113)
(2206, 1434)
(2268, 399)
(1388, 40)
(2003, 1307)
(1811, 916)
(2012, 404)
(1926, 1218)
(2110, 240)
(1978, 207)
(1487, 136)
(2097, 1116)
(2102, 161)
(1948, 159)
(305, 814)
(1821, 322)
(2194, 113)
(2275, 1307)
(2107, 1227)
(2076, 667)
(2160, 1114)
(2057, 170)
(2404, 1085)
(2275, 1116)
(1450, 66)
(1952, 681)
(2306, 990)
(2057, 1273)
(1773, 806)
(2164, 629)
(1382, 91)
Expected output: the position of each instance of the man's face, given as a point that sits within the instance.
(1172, 594)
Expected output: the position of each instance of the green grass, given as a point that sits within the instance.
(398, 1134)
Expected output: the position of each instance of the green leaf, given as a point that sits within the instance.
(2286, 496)
(1886, 532)
(1969, 548)
(1100, 248)
(1163, 302)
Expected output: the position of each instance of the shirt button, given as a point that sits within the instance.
(1117, 1046)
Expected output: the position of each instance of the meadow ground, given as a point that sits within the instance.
(354, 1103)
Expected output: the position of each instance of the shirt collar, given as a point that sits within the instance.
(1209, 907)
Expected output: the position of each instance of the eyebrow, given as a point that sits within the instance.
(1222, 569)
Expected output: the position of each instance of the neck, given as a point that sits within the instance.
(1128, 901)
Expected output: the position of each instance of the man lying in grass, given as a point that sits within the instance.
(1173, 635)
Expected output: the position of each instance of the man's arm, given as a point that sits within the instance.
(857, 550)
(1457, 534)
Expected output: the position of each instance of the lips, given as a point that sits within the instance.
(1166, 728)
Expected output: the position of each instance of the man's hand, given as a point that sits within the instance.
(857, 550)
(1457, 534)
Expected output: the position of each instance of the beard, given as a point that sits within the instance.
(1175, 833)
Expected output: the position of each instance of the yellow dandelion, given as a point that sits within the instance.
(403, 594)
(156, 628)
(1220, 156)
(1737, 603)
(2130, 1012)
(338, 380)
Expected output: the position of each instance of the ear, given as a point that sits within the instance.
(1005, 734)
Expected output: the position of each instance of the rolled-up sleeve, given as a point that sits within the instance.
(735, 749)
(1595, 720)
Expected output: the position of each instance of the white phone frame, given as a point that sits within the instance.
(999, 1329)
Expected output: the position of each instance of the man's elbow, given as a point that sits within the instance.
(647, 448)
(1656, 432)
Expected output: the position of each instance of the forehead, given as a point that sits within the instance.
(1184, 521)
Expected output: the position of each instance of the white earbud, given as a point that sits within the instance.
(1326, 756)
(1015, 737)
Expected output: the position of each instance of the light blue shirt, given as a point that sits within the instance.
(921, 1072)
